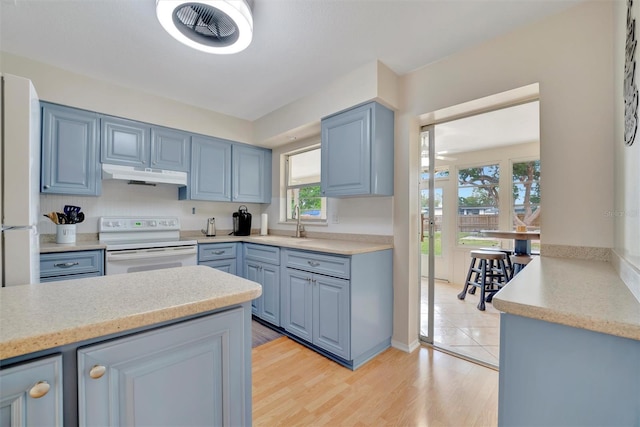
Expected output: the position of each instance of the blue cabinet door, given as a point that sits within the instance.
(267, 305)
(251, 174)
(210, 170)
(252, 272)
(226, 265)
(125, 142)
(170, 149)
(25, 399)
(70, 151)
(357, 152)
(176, 375)
(270, 281)
(297, 306)
(346, 144)
(331, 328)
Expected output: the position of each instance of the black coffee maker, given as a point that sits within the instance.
(241, 222)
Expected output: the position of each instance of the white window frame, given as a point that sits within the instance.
(288, 211)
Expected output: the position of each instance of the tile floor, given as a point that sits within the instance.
(459, 326)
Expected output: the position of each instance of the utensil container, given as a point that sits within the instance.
(65, 233)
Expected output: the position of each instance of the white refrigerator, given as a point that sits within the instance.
(19, 182)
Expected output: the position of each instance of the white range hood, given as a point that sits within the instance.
(138, 175)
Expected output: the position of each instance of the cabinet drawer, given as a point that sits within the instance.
(214, 251)
(329, 265)
(269, 254)
(71, 263)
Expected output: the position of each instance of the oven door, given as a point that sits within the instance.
(130, 261)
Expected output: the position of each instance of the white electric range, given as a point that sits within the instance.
(144, 243)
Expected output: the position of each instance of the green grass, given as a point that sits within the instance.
(437, 243)
(469, 242)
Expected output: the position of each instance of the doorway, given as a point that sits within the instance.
(469, 183)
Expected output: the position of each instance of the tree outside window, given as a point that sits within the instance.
(478, 204)
(526, 194)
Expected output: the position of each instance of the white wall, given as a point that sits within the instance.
(626, 212)
(570, 56)
(67, 88)
(356, 215)
(121, 199)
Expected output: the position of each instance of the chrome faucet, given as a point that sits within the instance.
(299, 227)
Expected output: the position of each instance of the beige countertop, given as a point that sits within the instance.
(334, 246)
(580, 293)
(35, 317)
(51, 247)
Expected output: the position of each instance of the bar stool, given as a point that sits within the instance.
(519, 262)
(489, 268)
(507, 264)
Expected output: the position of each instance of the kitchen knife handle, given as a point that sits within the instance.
(66, 264)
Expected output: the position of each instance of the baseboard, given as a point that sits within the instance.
(404, 347)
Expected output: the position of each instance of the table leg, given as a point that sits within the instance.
(522, 247)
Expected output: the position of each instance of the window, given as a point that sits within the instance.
(303, 186)
(526, 194)
(478, 204)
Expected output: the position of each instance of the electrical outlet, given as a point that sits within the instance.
(193, 211)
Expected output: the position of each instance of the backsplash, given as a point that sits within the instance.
(122, 199)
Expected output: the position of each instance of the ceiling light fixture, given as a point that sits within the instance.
(212, 26)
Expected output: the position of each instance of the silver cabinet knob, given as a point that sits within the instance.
(39, 389)
(97, 371)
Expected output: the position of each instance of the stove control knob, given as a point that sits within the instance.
(153, 223)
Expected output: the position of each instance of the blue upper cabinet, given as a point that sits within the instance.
(70, 151)
(125, 142)
(170, 149)
(210, 170)
(130, 143)
(357, 152)
(251, 174)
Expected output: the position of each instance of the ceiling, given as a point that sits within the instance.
(507, 126)
(299, 46)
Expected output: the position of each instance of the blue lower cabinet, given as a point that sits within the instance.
(558, 375)
(297, 304)
(331, 327)
(262, 265)
(267, 306)
(221, 256)
(316, 309)
(71, 265)
(31, 393)
(176, 375)
(341, 306)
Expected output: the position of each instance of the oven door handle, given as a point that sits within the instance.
(151, 253)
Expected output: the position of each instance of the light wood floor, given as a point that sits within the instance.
(294, 386)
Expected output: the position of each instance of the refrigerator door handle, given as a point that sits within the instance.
(18, 227)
